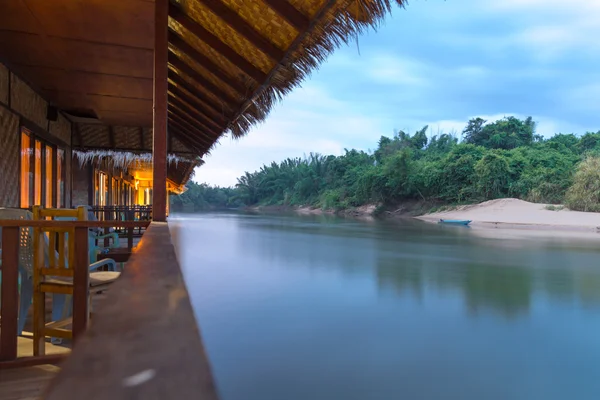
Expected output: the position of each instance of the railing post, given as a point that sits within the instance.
(10, 293)
(80, 282)
(159, 149)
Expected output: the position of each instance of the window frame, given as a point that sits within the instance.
(35, 137)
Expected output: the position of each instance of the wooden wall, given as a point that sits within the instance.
(82, 179)
(9, 159)
(20, 105)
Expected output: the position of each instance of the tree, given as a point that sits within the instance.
(493, 174)
(473, 133)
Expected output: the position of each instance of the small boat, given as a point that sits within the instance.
(455, 221)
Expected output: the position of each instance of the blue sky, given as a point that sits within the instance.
(436, 63)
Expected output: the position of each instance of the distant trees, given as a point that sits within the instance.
(495, 159)
(507, 133)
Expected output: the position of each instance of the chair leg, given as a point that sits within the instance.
(25, 302)
(61, 307)
(39, 323)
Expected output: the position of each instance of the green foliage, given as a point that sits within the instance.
(507, 133)
(584, 195)
(493, 174)
(495, 159)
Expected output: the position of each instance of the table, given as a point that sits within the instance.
(120, 255)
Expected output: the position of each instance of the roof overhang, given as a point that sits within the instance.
(229, 61)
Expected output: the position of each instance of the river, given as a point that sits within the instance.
(325, 308)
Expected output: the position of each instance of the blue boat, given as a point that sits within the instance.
(455, 221)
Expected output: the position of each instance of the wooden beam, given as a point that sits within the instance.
(213, 41)
(194, 122)
(182, 105)
(290, 13)
(220, 109)
(298, 41)
(197, 142)
(159, 148)
(242, 27)
(197, 77)
(176, 41)
(185, 138)
(197, 104)
(182, 132)
(194, 125)
(182, 122)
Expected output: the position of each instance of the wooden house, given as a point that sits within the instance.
(114, 103)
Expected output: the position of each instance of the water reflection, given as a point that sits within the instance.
(326, 308)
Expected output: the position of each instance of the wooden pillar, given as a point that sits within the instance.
(159, 150)
(10, 295)
(81, 280)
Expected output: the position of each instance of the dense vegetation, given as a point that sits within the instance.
(504, 158)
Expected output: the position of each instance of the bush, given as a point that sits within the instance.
(584, 194)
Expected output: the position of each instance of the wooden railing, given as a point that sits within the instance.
(144, 342)
(123, 213)
(9, 286)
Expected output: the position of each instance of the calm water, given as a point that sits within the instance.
(295, 308)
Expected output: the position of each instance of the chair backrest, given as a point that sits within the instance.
(26, 237)
(60, 239)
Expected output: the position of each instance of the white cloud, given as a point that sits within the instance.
(389, 69)
(310, 120)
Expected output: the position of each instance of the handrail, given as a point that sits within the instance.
(18, 223)
(144, 341)
(10, 260)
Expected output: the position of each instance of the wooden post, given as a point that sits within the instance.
(80, 282)
(10, 293)
(159, 150)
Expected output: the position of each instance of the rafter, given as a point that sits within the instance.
(197, 104)
(194, 121)
(242, 27)
(197, 77)
(290, 13)
(192, 124)
(213, 41)
(220, 109)
(182, 105)
(178, 42)
(175, 132)
(193, 134)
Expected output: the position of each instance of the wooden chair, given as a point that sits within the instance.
(66, 272)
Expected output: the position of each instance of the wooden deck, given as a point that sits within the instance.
(30, 382)
(26, 383)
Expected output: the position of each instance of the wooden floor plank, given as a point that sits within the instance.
(26, 383)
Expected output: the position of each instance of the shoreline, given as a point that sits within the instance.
(494, 215)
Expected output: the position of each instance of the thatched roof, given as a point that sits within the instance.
(179, 168)
(229, 61)
(275, 45)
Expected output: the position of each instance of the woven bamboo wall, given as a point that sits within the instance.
(3, 84)
(9, 159)
(126, 137)
(61, 128)
(81, 182)
(27, 102)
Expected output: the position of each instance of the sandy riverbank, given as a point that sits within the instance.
(519, 214)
